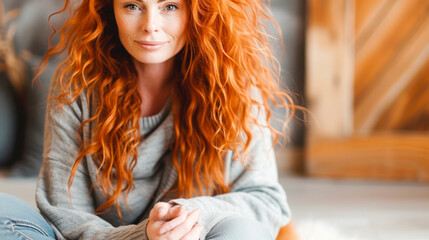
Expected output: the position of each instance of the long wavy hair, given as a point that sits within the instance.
(227, 54)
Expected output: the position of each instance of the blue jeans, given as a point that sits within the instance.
(19, 220)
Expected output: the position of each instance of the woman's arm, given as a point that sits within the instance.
(72, 218)
(255, 194)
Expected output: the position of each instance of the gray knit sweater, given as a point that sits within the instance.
(254, 194)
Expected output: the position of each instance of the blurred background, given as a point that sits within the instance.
(24, 38)
(356, 165)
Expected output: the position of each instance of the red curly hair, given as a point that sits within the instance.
(227, 53)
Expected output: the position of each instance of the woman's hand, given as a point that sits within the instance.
(173, 223)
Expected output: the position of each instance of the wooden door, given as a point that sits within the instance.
(367, 87)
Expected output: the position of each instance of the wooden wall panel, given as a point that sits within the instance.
(368, 13)
(410, 110)
(388, 92)
(385, 35)
(397, 72)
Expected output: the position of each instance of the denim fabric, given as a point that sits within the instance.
(19, 220)
(237, 228)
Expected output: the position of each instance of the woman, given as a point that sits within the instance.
(157, 125)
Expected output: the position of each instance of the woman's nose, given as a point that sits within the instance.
(151, 21)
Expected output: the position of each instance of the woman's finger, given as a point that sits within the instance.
(177, 216)
(175, 212)
(194, 234)
(182, 229)
(159, 211)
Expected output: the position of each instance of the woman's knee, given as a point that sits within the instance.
(18, 218)
(234, 228)
(11, 206)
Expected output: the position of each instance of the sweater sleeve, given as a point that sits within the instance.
(72, 217)
(255, 193)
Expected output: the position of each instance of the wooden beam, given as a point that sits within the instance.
(382, 156)
(330, 66)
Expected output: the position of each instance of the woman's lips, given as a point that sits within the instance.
(151, 46)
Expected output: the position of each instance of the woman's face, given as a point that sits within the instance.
(152, 31)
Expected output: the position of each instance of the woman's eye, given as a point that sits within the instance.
(132, 7)
(170, 7)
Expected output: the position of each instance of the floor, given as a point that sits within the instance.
(370, 210)
(360, 210)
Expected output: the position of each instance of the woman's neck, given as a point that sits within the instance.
(154, 85)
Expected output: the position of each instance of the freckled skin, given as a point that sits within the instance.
(151, 31)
